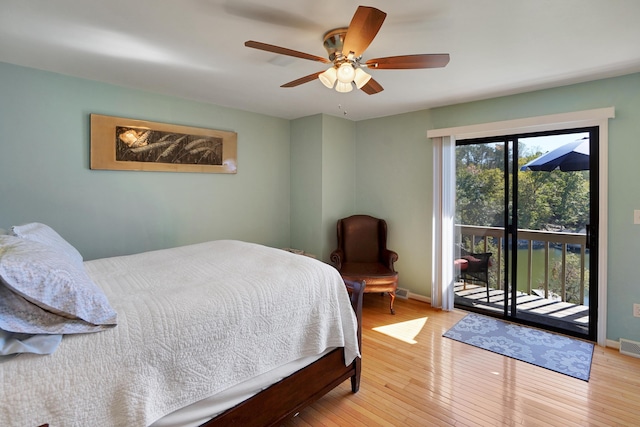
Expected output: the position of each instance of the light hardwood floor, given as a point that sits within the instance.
(419, 378)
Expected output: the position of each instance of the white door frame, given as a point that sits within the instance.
(441, 286)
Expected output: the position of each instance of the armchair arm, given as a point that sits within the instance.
(388, 258)
(336, 258)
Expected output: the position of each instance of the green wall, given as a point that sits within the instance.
(393, 181)
(402, 192)
(306, 184)
(339, 178)
(45, 175)
(322, 181)
(295, 178)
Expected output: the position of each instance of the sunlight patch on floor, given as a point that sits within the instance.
(404, 331)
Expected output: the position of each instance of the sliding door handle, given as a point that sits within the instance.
(588, 243)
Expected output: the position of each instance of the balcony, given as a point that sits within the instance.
(552, 280)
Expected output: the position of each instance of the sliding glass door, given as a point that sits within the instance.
(526, 244)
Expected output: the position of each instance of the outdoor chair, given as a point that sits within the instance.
(474, 267)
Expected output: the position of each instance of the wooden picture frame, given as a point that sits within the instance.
(119, 143)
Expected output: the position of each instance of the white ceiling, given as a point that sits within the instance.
(195, 49)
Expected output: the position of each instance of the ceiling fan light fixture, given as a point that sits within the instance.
(343, 87)
(361, 78)
(346, 73)
(329, 77)
(345, 47)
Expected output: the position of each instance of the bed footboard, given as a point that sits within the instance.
(356, 291)
(286, 398)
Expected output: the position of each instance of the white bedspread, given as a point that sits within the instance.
(192, 321)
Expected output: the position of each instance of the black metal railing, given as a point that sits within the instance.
(563, 275)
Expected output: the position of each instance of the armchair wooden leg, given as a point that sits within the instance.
(393, 297)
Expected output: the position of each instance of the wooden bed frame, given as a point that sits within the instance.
(287, 398)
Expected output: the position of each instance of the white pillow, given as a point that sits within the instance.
(20, 316)
(44, 234)
(52, 281)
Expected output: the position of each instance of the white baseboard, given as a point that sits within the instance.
(419, 297)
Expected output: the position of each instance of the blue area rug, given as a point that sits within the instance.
(552, 351)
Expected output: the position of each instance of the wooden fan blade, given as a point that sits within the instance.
(284, 51)
(364, 26)
(303, 80)
(372, 87)
(405, 62)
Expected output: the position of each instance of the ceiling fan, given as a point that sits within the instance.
(345, 47)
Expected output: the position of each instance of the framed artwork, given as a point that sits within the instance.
(127, 144)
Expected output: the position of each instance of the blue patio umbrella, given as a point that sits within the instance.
(573, 156)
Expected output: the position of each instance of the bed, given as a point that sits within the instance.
(215, 333)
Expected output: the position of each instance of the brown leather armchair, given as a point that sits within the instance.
(362, 254)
